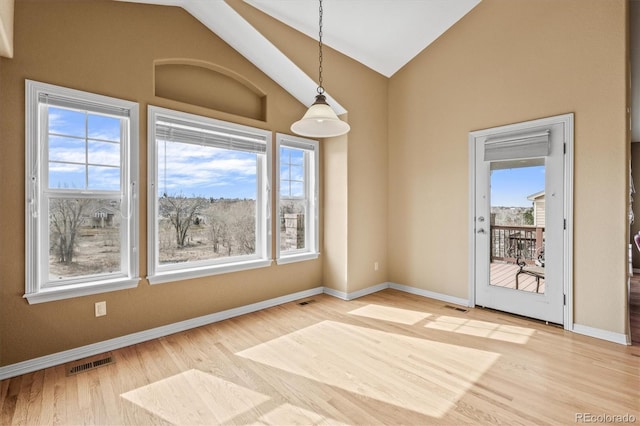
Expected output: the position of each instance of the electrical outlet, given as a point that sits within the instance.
(101, 309)
(375, 266)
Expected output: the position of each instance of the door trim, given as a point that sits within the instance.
(567, 120)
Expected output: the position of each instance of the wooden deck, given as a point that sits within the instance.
(504, 275)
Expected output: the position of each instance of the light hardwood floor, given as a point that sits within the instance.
(386, 358)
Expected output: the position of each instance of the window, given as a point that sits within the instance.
(297, 163)
(209, 198)
(81, 177)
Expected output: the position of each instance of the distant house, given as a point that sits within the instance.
(538, 208)
(103, 218)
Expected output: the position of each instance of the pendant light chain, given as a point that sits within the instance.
(320, 120)
(320, 88)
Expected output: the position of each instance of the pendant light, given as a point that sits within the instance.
(320, 121)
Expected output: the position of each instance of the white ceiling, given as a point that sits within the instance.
(382, 34)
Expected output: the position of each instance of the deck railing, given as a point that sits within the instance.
(509, 242)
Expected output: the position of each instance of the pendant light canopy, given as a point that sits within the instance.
(320, 120)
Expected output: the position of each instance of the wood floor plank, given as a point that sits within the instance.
(4, 391)
(48, 398)
(35, 402)
(386, 358)
(22, 407)
(10, 399)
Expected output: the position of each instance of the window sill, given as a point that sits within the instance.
(299, 257)
(68, 292)
(171, 276)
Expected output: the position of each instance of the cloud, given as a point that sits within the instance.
(68, 122)
(291, 173)
(199, 170)
(104, 153)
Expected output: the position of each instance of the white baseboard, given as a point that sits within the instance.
(46, 361)
(335, 293)
(430, 294)
(369, 290)
(407, 289)
(356, 294)
(598, 333)
(58, 358)
(36, 364)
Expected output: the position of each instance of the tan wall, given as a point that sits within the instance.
(364, 93)
(505, 62)
(74, 44)
(335, 213)
(6, 28)
(77, 44)
(368, 165)
(3, 252)
(396, 187)
(634, 48)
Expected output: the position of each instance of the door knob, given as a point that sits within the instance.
(481, 231)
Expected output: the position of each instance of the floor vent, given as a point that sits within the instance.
(307, 302)
(93, 363)
(456, 308)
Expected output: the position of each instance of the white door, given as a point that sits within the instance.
(519, 219)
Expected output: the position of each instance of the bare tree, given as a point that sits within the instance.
(245, 231)
(182, 212)
(219, 233)
(65, 217)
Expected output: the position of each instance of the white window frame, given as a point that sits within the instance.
(180, 271)
(38, 287)
(311, 188)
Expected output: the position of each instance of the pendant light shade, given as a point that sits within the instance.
(320, 120)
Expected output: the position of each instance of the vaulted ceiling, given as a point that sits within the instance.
(383, 34)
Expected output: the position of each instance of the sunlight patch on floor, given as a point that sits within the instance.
(416, 374)
(489, 330)
(287, 414)
(198, 398)
(388, 313)
(194, 397)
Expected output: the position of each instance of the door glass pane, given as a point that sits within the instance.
(517, 225)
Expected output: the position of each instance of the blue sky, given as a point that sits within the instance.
(511, 187)
(219, 173)
(291, 172)
(205, 171)
(84, 152)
